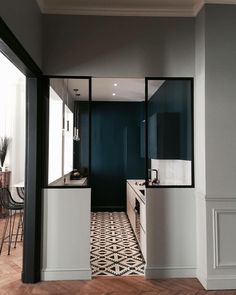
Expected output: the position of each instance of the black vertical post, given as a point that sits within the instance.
(192, 139)
(146, 131)
(90, 130)
(32, 212)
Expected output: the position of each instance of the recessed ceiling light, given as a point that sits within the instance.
(113, 94)
(115, 84)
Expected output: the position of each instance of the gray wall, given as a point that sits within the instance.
(60, 87)
(220, 100)
(24, 19)
(118, 46)
(200, 146)
(215, 145)
(199, 104)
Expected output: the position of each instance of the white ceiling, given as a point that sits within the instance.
(127, 7)
(113, 89)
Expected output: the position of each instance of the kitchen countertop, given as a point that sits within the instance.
(136, 187)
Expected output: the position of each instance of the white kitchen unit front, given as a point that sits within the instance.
(136, 211)
(66, 234)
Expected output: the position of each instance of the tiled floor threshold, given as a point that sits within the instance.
(114, 249)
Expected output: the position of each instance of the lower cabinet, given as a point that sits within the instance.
(136, 211)
(143, 242)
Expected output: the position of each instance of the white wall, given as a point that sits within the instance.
(66, 234)
(55, 150)
(172, 172)
(216, 143)
(200, 147)
(171, 233)
(220, 106)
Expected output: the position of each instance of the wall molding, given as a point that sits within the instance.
(216, 242)
(221, 282)
(171, 11)
(52, 274)
(164, 272)
(220, 198)
(148, 12)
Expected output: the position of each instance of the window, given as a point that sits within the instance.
(170, 132)
(68, 160)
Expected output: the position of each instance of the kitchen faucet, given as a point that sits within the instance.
(155, 180)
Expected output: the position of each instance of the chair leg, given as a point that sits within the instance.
(4, 232)
(22, 227)
(11, 230)
(9, 233)
(18, 228)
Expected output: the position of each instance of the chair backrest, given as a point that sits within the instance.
(5, 198)
(7, 201)
(21, 192)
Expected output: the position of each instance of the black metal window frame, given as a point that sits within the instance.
(191, 79)
(46, 83)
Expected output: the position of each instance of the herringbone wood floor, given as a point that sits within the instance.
(136, 285)
(10, 283)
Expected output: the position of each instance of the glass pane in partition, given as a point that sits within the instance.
(170, 138)
(68, 140)
(68, 162)
(55, 136)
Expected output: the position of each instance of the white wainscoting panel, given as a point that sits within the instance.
(224, 238)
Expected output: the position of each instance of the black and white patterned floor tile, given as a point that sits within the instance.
(114, 249)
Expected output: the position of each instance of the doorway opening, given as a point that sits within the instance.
(12, 166)
(118, 109)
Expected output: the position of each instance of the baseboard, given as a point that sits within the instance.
(169, 272)
(221, 282)
(108, 209)
(66, 274)
(202, 279)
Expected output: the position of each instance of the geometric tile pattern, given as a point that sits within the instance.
(114, 248)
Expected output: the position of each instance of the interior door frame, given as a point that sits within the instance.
(15, 52)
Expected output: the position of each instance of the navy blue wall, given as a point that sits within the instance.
(116, 152)
(173, 102)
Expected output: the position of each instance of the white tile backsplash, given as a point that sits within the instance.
(172, 172)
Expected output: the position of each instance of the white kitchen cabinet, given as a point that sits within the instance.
(137, 219)
(143, 242)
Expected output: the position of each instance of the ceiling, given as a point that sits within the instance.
(113, 89)
(185, 8)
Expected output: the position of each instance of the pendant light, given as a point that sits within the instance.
(76, 118)
(67, 119)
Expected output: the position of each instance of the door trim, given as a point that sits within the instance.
(15, 52)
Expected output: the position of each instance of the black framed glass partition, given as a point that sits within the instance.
(169, 129)
(69, 132)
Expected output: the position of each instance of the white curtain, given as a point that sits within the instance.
(12, 117)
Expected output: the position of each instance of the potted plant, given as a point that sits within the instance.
(4, 144)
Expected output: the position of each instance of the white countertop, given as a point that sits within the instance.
(135, 185)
